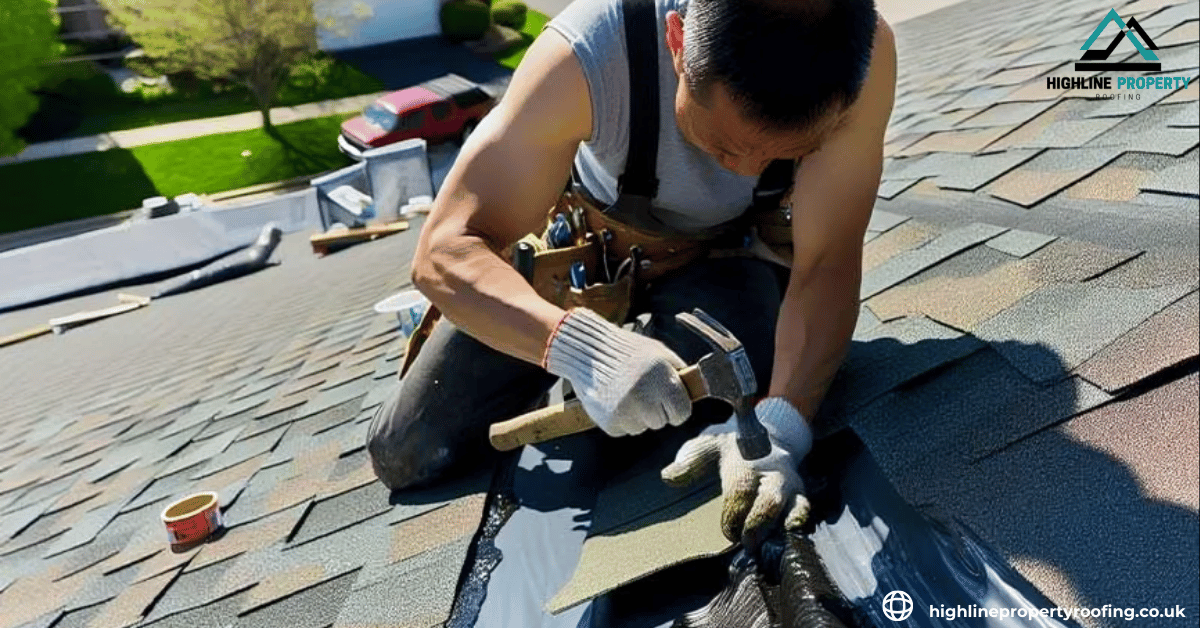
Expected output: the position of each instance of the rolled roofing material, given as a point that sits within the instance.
(252, 259)
(133, 250)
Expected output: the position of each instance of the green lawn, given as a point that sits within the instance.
(81, 186)
(215, 163)
(104, 108)
(95, 184)
(534, 21)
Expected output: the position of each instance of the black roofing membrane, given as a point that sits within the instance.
(862, 543)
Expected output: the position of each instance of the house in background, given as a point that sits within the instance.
(367, 22)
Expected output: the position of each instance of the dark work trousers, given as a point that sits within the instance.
(437, 417)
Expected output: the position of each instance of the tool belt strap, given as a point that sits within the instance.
(664, 253)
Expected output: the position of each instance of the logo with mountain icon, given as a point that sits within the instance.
(1098, 59)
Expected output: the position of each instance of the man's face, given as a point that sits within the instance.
(739, 145)
(718, 127)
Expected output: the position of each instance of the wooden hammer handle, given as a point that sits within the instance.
(564, 419)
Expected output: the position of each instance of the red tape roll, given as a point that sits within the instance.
(192, 519)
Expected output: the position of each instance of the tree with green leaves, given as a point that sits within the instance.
(28, 41)
(255, 42)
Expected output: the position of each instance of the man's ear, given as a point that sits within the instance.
(674, 37)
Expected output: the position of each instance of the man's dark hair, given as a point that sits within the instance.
(786, 63)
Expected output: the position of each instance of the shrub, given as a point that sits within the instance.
(510, 13)
(465, 20)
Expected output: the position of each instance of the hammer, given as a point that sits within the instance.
(723, 374)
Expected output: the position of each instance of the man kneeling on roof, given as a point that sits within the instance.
(689, 134)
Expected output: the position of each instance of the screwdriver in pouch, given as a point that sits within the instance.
(578, 276)
(560, 234)
(579, 225)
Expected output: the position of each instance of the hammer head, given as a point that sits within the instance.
(728, 375)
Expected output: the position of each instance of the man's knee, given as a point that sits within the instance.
(403, 451)
(378, 446)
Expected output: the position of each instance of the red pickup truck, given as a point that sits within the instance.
(444, 108)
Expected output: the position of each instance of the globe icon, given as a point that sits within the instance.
(897, 606)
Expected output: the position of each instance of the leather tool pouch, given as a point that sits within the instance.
(552, 280)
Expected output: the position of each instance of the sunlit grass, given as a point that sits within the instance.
(94, 184)
(534, 21)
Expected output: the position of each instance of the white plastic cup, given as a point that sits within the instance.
(408, 307)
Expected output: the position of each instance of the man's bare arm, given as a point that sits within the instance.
(831, 205)
(508, 175)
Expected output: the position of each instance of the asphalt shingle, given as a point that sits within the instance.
(1049, 173)
(87, 527)
(294, 568)
(921, 166)
(960, 302)
(256, 500)
(1181, 178)
(1065, 324)
(1066, 133)
(909, 263)
(907, 236)
(1154, 269)
(1149, 132)
(645, 546)
(1020, 243)
(199, 452)
(407, 596)
(919, 427)
(77, 618)
(103, 589)
(964, 141)
(129, 607)
(980, 170)
(1163, 341)
(943, 122)
(342, 511)
(192, 590)
(892, 188)
(888, 356)
(1186, 117)
(1121, 180)
(453, 523)
(1181, 35)
(1015, 76)
(295, 587)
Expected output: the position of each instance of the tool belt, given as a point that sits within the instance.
(617, 260)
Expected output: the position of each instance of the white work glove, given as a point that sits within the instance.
(756, 492)
(627, 382)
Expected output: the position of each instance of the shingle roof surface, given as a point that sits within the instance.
(1025, 361)
(1073, 423)
(259, 389)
